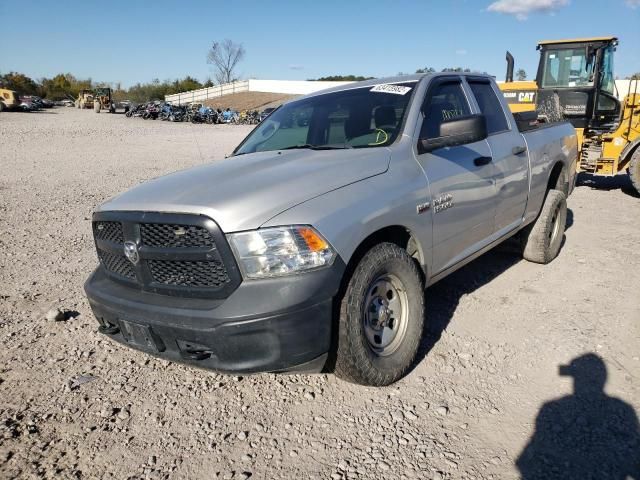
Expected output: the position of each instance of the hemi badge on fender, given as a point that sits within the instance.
(422, 207)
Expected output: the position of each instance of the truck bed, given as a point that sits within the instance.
(548, 143)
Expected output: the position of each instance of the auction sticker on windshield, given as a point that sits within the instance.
(395, 89)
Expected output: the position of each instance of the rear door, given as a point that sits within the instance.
(461, 179)
(509, 155)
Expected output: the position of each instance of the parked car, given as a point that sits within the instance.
(266, 112)
(65, 103)
(28, 104)
(46, 103)
(317, 241)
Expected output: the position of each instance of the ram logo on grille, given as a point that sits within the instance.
(131, 252)
(179, 232)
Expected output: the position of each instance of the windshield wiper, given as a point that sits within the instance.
(317, 147)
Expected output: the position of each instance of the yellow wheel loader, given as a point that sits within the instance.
(9, 99)
(575, 82)
(103, 100)
(85, 99)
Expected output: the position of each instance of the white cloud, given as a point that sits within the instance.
(522, 8)
(295, 66)
(461, 51)
(633, 3)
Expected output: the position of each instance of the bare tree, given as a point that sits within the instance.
(521, 74)
(225, 56)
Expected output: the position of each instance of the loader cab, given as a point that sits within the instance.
(576, 83)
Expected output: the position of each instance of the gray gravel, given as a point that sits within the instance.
(75, 405)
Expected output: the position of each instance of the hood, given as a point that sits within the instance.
(243, 192)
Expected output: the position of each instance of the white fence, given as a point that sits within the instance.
(205, 93)
(292, 87)
(623, 87)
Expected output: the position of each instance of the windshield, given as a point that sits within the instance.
(567, 68)
(607, 80)
(358, 118)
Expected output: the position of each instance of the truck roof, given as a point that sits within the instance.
(396, 79)
(579, 40)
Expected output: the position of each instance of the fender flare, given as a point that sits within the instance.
(628, 150)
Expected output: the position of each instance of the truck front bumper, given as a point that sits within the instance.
(277, 324)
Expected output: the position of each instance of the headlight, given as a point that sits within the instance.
(278, 251)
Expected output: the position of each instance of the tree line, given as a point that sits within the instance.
(66, 85)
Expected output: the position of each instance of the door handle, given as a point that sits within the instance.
(518, 150)
(478, 162)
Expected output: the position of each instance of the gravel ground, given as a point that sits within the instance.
(75, 405)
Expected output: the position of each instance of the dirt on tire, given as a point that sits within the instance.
(356, 361)
(543, 239)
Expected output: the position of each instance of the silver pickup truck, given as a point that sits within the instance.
(316, 239)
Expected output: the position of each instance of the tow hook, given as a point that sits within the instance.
(108, 329)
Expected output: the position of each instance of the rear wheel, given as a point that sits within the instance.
(542, 240)
(634, 170)
(381, 318)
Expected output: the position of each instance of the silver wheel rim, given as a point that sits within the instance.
(555, 219)
(385, 314)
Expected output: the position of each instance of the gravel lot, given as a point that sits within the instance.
(499, 329)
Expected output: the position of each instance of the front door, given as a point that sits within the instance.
(461, 180)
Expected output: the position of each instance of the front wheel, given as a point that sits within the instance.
(381, 318)
(543, 239)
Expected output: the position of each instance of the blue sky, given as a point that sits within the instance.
(142, 40)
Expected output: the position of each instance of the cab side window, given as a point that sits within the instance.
(444, 102)
(490, 106)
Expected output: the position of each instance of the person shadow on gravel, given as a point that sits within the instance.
(587, 435)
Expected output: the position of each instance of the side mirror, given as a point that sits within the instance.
(462, 130)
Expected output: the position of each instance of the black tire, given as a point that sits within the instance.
(542, 240)
(634, 170)
(358, 359)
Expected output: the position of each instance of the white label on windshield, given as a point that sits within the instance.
(395, 89)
